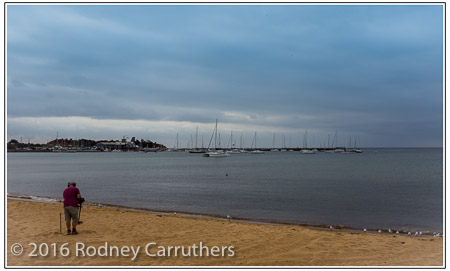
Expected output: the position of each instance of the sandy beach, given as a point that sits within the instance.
(144, 239)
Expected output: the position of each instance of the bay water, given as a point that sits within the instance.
(377, 189)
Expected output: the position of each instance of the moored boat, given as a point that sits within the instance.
(215, 152)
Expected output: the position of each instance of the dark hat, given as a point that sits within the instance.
(71, 183)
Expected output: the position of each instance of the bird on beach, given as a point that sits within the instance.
(409, 233)
(228, 217)
(397, 232)
(331, 227)
(390, 231)
(365, 230)
(380, 231)
(416, 234)
(420, 233)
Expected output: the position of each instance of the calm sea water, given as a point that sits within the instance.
(380, 188)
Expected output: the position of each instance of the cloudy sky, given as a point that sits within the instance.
(374, 72)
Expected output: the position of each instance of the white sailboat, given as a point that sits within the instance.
(355, 149)
(235, 151)
(273, 144)
(305, 149)
(196, 150)
(216, 153)
(255, 151)
(283, 143)
(338, 149)
(241, 149)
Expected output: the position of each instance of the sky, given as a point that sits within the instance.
(368, 72)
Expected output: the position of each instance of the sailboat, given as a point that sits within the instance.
(355, 149)
(283, 143)
(242, 150)
(338, 149)
(175, 146)
(273, 144)
(216, 153)
(305, 149)
(255, 151)
(196, 150)
(236, 151)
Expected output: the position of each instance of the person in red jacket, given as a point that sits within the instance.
(71, 194)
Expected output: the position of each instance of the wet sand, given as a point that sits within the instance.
(228, 243)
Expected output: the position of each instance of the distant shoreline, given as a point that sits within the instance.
(247, 149)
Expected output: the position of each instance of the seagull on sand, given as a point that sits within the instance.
(365, 230)
(390, 231)
(228, 217)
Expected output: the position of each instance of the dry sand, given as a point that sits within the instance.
(253, 244)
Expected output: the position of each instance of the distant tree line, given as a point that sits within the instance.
(14, 144)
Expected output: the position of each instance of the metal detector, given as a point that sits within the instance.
(80, 204)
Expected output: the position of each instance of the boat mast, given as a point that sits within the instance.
(273, 143)
(306, 139)
(231, 140)
(241, 141)
(196, 136)
(215, 137)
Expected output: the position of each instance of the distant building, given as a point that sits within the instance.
(116, 145)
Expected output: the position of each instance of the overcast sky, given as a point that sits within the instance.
(374, 72)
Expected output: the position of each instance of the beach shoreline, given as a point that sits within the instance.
(254, 244)
(330, 227)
